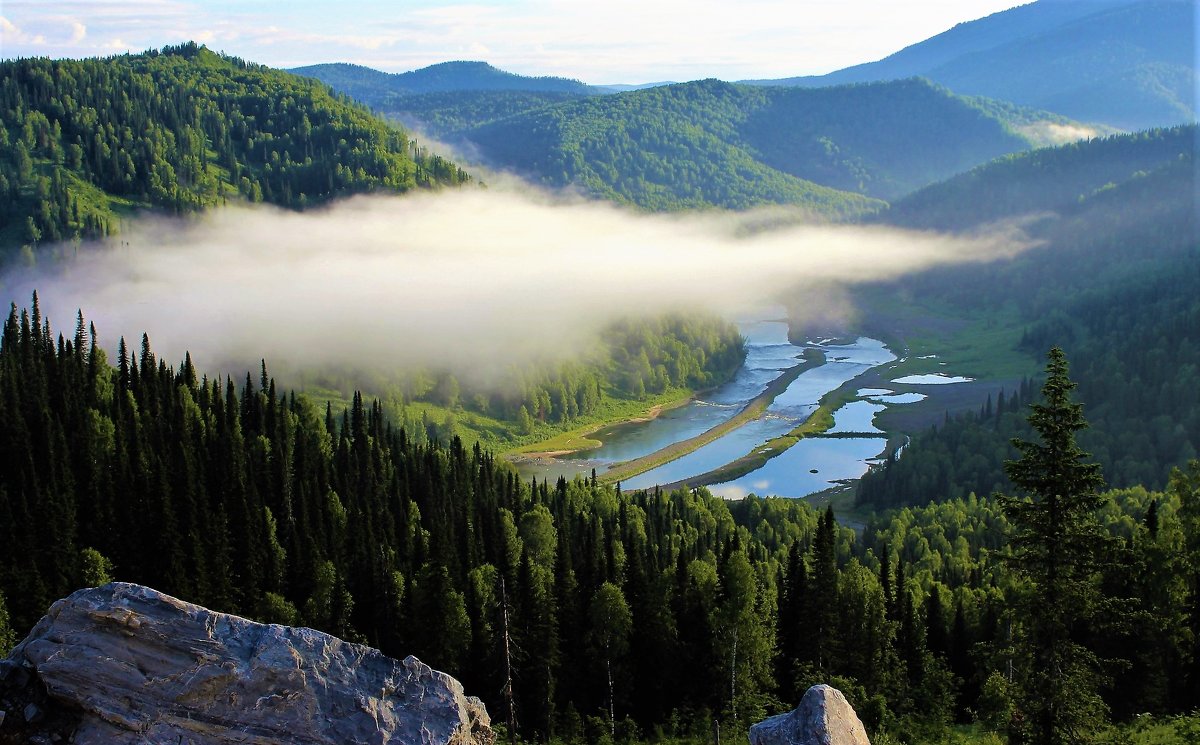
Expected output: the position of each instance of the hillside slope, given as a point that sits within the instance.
(1060, 179)
(84, 141)
(1125, 63)
(1113, 280)
(714, 143)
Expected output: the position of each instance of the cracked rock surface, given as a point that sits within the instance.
(125, 664)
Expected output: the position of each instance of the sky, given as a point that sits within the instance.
(598, 42)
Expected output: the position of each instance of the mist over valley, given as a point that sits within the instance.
(639, 410)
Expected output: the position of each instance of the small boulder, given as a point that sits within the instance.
(824, 717)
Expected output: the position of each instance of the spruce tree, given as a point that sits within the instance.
(1058, 547)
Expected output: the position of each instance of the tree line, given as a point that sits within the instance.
(625, 614)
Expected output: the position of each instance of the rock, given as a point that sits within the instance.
(824, 717)
(32, 713)
(124, 664)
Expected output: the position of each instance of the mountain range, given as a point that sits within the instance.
(1125, 63)
(711, 143)
(1039, 74)
(379, 89)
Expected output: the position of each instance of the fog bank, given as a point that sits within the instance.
(469, 279)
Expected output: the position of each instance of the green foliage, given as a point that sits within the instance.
(1117, 264)
(1128, 64)
(710, 143)
(250, 501)
(450, 114)
(1059, 178)
(1059, 548)
(382, 90)
(636, 359)
(180, 130)
(95, 569)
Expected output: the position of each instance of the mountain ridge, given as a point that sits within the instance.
(1125, 63)
(376, 88)
(697, 144)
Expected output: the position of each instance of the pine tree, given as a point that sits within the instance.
(1058, 548)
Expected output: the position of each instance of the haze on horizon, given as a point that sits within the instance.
(621, 41)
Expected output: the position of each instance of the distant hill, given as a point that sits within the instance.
(378, 89)
(1112, 277)
(710, 143)
(447, 114)
(1063, 179)
(83, 142)
(1126, 63)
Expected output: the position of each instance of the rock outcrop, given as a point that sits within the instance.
(124, 664)
(824, 717)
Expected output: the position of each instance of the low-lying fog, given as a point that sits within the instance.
(470, 279)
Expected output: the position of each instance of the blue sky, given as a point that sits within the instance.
(597, 41)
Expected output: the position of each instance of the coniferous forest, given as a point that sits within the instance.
(1025, 572)
(84, 142)
(247, 498)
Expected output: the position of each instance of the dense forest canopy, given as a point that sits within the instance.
(644, 614)
(249, 499)
(85, 141)
(711, 143)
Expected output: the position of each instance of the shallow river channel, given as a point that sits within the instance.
(810, 466)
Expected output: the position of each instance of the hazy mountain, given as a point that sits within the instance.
(447, 114)
(1129, 64)
(376, 88)
(622, 87)
(713, 143)
(1055, 179)
(1112, 277)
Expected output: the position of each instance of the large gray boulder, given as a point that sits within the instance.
(824, 717)
(124, 664)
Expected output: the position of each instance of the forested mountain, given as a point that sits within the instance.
(712, 143)
(1126, 63)
(1115, 285)
(83, 142)
(380, 89)
(448, 115)
(249, 500)
(1061, 179)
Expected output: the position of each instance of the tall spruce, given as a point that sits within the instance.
(1058, 549)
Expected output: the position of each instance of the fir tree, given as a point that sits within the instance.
(1058, 549)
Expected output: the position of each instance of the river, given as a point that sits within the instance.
(810, 466)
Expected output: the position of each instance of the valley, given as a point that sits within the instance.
(638, 409)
